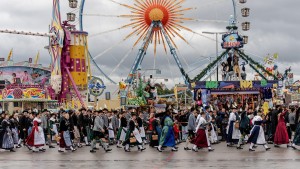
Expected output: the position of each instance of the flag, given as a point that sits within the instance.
(175, 92)
(275, 56)
(37, 58)
(10, 55)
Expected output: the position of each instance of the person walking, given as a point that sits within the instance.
(281, 134)
(257, 134)
(65, 137)
(167, 135)
(191, 128)
(201, 140)
(36, 139)
(6, 138)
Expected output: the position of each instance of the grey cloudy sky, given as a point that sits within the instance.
(274, 29)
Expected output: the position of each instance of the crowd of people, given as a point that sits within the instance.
(160, 127)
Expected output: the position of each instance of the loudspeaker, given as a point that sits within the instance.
(107, 95)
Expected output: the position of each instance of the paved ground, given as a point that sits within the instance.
(222, 157)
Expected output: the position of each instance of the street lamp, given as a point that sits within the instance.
(217, 49)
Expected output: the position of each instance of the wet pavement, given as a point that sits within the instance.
(222, 157)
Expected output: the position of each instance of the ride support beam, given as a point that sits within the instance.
(210, 66)
(256, 64)
(174, 54)
(141, 53)
(27, 33)
(74, 86)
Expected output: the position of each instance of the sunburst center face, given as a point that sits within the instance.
(170, 13)
(156, 14)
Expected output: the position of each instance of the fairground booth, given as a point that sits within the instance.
(24, 85)
(226, 93)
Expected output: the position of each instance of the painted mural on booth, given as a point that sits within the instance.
(24, 75)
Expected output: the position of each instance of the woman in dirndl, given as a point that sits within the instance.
(133, 136)
(6, 138)
(233, 131)
(36, 138)
(201, 140)
(14, 129)
(65, 137)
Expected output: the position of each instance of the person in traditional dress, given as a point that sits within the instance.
(65, 137)
(23, 127)
(53, 131)
(6, 138)
(257, 134)
(233, 131)
(191, 128)
(281, 134)
(296, 140)
(84, 125)
(111, 131)
(244, 128)
(122, 129)
(155, 130)
(36, 139)
(99, 133)
(201, 140)
(167, 135)
(133, 136)
(14, 129)
(76, 131)
(141, 127)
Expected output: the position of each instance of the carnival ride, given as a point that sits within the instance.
(160, 22)
(151, 21)
(70, 65)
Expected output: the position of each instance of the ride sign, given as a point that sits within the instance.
(232, 40)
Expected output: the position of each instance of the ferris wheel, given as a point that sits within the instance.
(133, 23)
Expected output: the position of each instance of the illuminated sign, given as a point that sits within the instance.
(232, 40)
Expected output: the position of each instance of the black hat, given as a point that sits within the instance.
(82, 109)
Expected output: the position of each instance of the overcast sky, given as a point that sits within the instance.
(274, 29)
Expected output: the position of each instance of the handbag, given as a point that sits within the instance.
(132, 140)
(57, 138)
(155, 137)
(237, 125)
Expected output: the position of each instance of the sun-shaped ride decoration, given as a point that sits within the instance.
(169, 12)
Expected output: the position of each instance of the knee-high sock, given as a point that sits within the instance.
(240, 141)
(93, 145)
(20, 141)
(187, 142)
(265, 145)
(104, 145)
(86, 140)
(127, 146)
(251, 145)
